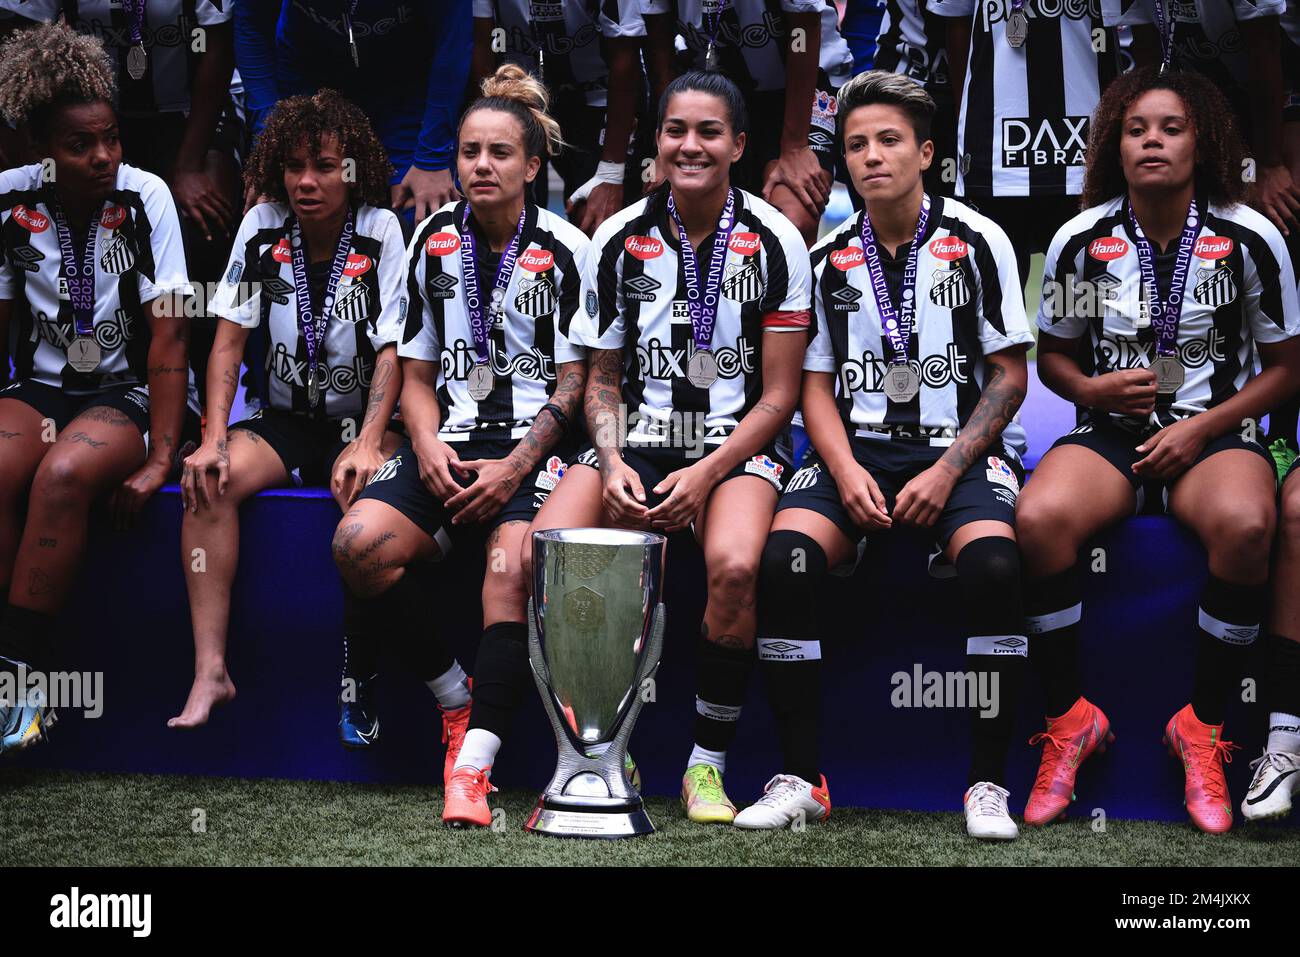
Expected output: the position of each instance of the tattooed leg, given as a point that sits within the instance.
(21, 451)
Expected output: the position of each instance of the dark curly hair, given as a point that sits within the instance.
(1219, 150)
(299, 119)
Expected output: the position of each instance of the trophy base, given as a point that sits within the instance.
(554, 819)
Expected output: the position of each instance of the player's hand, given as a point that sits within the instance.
(687, 490)
(623, 495)
(1171, 451)
(353, 470)
(1126, 392)
(800, 172)
(200, 200)
(494, 484)
(1278, 197)
(436, 460)
(212, 456)
(424, 189)
(253, 198)
(921, 500)
(863, 498)
(604, 200)
(130, 496)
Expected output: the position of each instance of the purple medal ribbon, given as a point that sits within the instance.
(479, 320)
(134, 9)
(896, 324)
(1165, 27)
(350, 11)
(313, 326)
(78, 273)
(703, 304)
(1165, 311)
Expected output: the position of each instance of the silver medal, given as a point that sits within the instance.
(901, 383)
(1017, 28)
(481, 382)
(1169, 374)
(84, 354)
(137, 60)
(313, 387)
(702, 370)
(712, 61)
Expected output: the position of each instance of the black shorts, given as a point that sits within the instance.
(1030, 222)
(307, 447)
(131, 400)
(652, 465)
(398, 483)
(986, 492)
(1118, 446)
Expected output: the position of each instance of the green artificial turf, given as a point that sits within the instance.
(60, 818)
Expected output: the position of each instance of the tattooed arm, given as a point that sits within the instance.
(601, 401)
(547, 430)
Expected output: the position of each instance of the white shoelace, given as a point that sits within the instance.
(780, 789)
(990, 800)
(1278, 760)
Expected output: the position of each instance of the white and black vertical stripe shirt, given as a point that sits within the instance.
(1023, 128)
(969, 303)
(751, 37)
(1240, 290)
(568, 32)
(258, 293)
(169, 36)
(635, 300)
(138, 257)
(525, 346)
(913, 41)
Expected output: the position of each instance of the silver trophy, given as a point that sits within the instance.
(595, 633)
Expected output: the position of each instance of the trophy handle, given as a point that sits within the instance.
(649, 664)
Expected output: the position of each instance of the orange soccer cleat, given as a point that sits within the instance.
(1067, 742)
(1203, 752)
(466, 798)
(454, 725)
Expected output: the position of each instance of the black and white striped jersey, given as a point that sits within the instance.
(568, 32)
(751, 37)
(969, 303)
(1023, 128)
(168, 35)
(258, 293)
(635, 300)
(139, 256)
(1240, 290)
(527, 343)
(913, 41)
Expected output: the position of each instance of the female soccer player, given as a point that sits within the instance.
(93, 272)
(1158, 300)
(491, 385)
(696, 309)
(320, 272)
(911, 386)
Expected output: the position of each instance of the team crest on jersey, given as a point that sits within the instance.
(277, 290)
(536, 297)
(742, 283)
(949, 289)
(441, 286)
(846, 299)
(1214, 286)
(26, 257)
(1000, 473)
(764, 467)
(591, 303)
(806, 477)
(550, 476)
(386, 471)
(354, 305)
(234, 272)
(640, 288)
(116, 256)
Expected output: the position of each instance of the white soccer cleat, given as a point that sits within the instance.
(1275, 780)
(987, 817)
(786, 799)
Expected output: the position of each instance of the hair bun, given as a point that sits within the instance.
(512, 82)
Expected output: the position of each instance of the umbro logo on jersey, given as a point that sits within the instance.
(820, 140)
(442, 244)
(117, 256)
(536, 297)
(1107, 248)
(643, 247)
(26, 257)
(281, 251)
(354, 305)
(846, 299)
(847, 258)
(1214, 287)
(1212, 247)
(641, 288)
(441, 286)
(356, 264)
(949, 248)
(536, 260)
(744, 244)
(31, 220)
(113, 217)
(950, 290)
(1053, 141)
(742, 283)
(276, 289)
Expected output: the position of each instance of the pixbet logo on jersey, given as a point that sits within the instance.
(293, 371)
(658, 361)
(1192, 353)
(457, 362)
(936, 371)
(1055, 141)
(109, 333)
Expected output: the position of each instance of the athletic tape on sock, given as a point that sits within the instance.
(1226, 631)
(788, 649)
(718, 712)
(1039, 624)
(997, 645)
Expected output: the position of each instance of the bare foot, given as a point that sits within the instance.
(205, 694)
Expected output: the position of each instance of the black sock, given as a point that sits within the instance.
(502, 677)
(789, 651)
(1229, 619)
(1053, 606)
(1280, 682)
(988, 571)
(360, 645)
(1283, 422)
(415, 642)
(24, 636)
(721, 680)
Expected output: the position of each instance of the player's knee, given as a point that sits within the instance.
(504, 586)
(733, 579)
(363, 561)
(989, 566)
(1044, 521)
(60, 485)
(791, 565)
(1242, 533)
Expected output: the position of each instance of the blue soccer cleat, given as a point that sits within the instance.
(25, 723)
(358, 719)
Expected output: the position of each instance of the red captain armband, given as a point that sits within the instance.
(786, 321)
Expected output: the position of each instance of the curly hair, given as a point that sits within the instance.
(512, 90)
(307, 119)
(1219, 150)
(49, 67)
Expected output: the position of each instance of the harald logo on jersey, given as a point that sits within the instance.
(1051, 141)
(936, 371)
(1214, 283)
(657, 361)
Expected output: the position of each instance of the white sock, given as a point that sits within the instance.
(479, 750)
(1283, 732)
(701, 755)
(451, 688)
